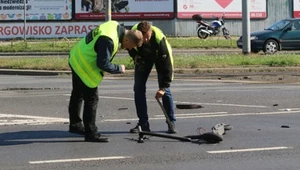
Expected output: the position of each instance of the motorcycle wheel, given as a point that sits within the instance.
(202, 35)
(226, 33)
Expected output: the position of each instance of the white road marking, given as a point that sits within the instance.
(31, 95)
(294, 109)
(12, 119)
(79, 159)
(179, 102)
(194, 79)
(38, 120)
(214, 104)
(249, 150)
(124, 120)
(207, 116)
(221, 104)
(195, 114)
(119, 98)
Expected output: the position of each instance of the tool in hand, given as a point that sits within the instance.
(164, 111)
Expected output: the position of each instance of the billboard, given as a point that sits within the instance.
(36, 10)
(124, 9)
(296, 9)
(50, 30)
(231, 8)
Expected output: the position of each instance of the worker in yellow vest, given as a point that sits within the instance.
(88, 60)
(155, 51)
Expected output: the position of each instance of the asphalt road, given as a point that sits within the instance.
(34, 123)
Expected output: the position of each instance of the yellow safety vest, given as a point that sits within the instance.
(83, 58)
(158, 37)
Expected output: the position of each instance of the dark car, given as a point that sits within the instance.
(283, 35)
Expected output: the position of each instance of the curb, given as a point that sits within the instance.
(199, 72)
(229, 75)
(124, 52)
(32, 72)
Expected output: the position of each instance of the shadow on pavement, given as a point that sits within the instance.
(50, 136)
(42, 136)
(45, 136)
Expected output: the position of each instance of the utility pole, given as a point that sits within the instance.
(24, 20)
(246, 27)
(108, 10)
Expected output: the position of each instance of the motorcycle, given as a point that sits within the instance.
(204, 29)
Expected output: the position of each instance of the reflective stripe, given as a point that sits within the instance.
(158, 37)
(171, 58)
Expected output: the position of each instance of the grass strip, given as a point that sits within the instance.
(187, 62)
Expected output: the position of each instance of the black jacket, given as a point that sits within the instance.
(162, 56)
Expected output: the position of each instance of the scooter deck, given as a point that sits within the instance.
(182, 139)
(209, 137)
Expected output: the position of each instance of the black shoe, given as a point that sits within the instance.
(96, 138)
(171, 128)
(145, 128)
(135, 129)
(77, 129)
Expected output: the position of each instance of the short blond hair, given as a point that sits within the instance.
(135, 36)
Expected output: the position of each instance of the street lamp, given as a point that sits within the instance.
(24, 20)
(246, 27)
(108, 10)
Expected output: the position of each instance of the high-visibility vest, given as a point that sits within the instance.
(83, 58)
(158, 37)
(158, 33)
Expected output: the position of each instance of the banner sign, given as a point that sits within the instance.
(230, 8)
(296, 9)
(125, 9)
(36, 10)
(50, 30)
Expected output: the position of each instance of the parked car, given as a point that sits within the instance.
(282, 35)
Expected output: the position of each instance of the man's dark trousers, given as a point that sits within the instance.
(80, 93)
(142, 72)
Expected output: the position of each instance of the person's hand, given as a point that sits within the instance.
(160, 93)
(122, 68)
